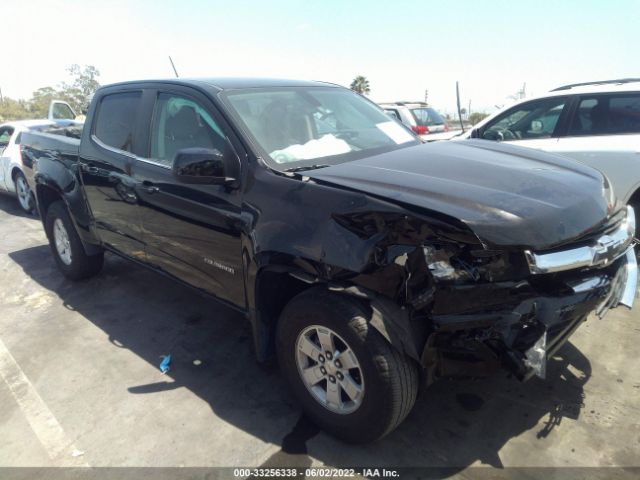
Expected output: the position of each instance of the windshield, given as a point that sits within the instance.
(427, 117)
(302, 126)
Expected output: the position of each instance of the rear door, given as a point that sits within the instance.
(107, 151)
(192, 231)
(604, 132)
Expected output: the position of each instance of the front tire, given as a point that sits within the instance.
(24, 193)
(346, 376)
(67, 247)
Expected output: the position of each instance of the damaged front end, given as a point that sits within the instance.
(516, 309)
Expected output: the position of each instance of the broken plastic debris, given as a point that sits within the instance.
(164, 365)
(77, 453)
(536, 356)
(197, 362)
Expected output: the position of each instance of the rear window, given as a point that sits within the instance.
(607, 115)
(426, 116)
(116, 119)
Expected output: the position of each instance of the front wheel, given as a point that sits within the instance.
(66, 245)
(24, 193)
(346, 376)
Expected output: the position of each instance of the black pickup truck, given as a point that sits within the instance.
(368, 262)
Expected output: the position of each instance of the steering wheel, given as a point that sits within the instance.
(346, 134)
(506, 134)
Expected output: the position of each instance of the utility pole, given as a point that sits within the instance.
(1, 97)
(426, 96)
(459, 111)
(173, 66)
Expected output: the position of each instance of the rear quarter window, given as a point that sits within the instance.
(427, 117)
(116, 118)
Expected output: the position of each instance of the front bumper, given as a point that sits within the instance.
(519, 325)
(622, 291)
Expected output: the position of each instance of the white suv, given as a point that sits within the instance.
(418, 116)
(596, 123)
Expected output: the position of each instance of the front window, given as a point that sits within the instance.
(531, 120)
(302, 127)
(427, 117)
(180, 123)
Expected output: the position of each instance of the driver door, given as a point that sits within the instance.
(534, 124)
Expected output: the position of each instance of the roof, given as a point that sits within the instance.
(404, 104)
(591, 88)
(620, 81)
(233, 83)
(588, 88)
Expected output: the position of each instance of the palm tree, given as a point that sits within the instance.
(360, 84)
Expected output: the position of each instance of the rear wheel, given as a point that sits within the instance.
(24, 193)
(66, 245)
(346, 376)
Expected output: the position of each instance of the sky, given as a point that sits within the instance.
(403, 47)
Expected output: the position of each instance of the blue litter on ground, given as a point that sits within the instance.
(164, 365)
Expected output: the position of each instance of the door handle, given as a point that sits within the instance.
(150, 187)
(88, 168)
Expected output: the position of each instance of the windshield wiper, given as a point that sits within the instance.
(305, 167)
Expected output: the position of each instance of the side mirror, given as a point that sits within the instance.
(206, 166)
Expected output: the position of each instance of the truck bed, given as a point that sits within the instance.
(60, 146)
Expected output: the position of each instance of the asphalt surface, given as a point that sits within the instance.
(80, 385)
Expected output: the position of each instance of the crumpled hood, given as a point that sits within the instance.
(508, 195)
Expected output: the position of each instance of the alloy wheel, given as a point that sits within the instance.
(61, 240)
(329, 369)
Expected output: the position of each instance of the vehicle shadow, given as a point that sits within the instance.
(454, 423)
(9, 204)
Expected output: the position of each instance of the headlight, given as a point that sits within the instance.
(438, 264)
(459, 264)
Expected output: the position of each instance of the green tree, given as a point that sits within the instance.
(40, 100)
(476, 117)
(78, 93)
(11, 109)
(360, 84)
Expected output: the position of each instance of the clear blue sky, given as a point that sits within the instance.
(402, 47)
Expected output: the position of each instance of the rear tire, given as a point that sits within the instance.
(26, 199)
(66, 245)
(386, 379)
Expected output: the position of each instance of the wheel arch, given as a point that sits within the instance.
(634, 198)
(46, 194)
(14, 172)
(277, 285)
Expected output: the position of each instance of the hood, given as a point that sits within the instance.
(508, 195)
